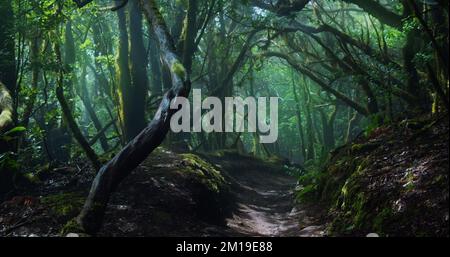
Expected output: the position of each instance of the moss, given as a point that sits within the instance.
(178, 69)
(72, 226)
(203, 171)
(351, 204)
(358, 208)
(64, 204)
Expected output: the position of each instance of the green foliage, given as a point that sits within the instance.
(12, 133)
(309, 185)
(360, 55)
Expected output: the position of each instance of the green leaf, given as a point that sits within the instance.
(14, 130)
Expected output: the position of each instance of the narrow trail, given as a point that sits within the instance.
(265, 205)
(149, 202)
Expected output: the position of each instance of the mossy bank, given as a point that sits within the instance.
(393, 182)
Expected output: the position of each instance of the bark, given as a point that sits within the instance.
(137, 150)
(124, 80)
(189, 35)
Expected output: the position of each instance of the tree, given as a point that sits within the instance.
(110, 175)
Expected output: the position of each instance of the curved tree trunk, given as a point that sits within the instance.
(137, 150)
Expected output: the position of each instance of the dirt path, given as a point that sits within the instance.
(150, 200)
(265, 204)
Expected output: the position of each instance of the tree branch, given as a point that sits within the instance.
(358, 107)
(379, 11)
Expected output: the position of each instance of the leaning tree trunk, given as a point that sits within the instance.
(137, 150)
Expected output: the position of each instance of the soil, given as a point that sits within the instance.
(164, 197)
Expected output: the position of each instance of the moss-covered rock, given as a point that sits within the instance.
(202, 170)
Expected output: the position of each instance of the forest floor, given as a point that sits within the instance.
(393, 182)
(170, 194)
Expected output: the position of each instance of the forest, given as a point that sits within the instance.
(87, 147)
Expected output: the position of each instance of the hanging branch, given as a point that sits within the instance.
(138, 149)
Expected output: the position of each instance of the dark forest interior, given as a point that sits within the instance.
(86, 146)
